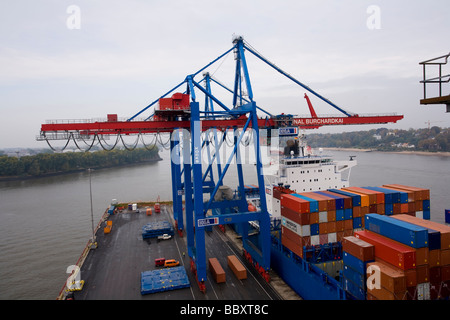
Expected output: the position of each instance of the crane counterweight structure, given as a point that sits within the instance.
(196, 131)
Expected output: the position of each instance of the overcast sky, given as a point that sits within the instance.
(362, 55)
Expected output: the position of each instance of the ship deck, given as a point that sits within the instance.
(113, 270)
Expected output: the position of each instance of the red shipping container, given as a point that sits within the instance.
(314, 217)
(323, 228)
(389, 250)
(434, 258)
(294, 203)
(445, 273)
(296, 238)
(357, 212)
(358, 248)
(300, 218)
(404, 208)
(348, 225)
(331, 215)
(435, 275)
(340, 226)
(331, 226)
(423, 274)
(291, 245)
(445, 256)
(364, 211)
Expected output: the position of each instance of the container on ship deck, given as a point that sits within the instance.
(360, 249)
(356, 198)
(354, 263)
(295, 203)
(441, 228)
(301, 230)
(379, 195)
(418, 193)
(403, 232)
(390, 196)
(339, 199)
(322, 203)
(373, 196)
(392, 279)
(300, 218)
(365, 200)
(331, 202)
(397, 254)
(313, 205)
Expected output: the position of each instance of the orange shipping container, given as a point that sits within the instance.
(237, 267)
(295, 203)
(358, 248)
(373, 195)
(216, 270)
(391, 278)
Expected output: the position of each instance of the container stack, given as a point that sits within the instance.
(356, 255)
(418, 203)
(438, 254)
(321, 217)
(402, 258)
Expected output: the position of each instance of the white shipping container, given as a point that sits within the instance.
(323, 216)
(332, 237)
(315, 240)
(302, 231)
(423, 291)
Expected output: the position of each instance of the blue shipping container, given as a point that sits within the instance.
(354, 290)
(354, 276)
(355, 263)
(403, 232)
(348, 214)
(357, 222)
(389, 209)
(314, 229)
(390, 196)
(340, 214)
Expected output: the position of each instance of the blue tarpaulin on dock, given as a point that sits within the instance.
(164, 280)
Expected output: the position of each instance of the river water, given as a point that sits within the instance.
(46, 222)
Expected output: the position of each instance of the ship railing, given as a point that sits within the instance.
(440, 79)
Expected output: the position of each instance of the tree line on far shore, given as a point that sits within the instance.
(49, 163)
(432, 139)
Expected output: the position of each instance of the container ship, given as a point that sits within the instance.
(329, 241)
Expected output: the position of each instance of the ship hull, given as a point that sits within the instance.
(304, 278)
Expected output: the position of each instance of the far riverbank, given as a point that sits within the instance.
(421, 153)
